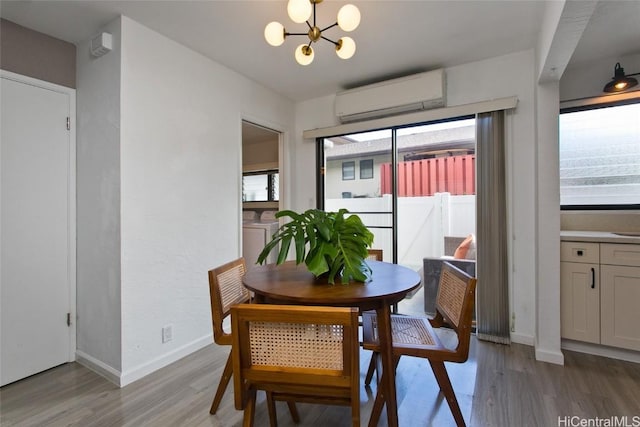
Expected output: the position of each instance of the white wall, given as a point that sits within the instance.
(98, 207)
(479, 81)
(548, 225)
(181, 139)
(180, 168)
(315, 113)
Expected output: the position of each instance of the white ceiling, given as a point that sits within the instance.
(394, 38)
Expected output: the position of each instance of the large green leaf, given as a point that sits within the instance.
(333, 242)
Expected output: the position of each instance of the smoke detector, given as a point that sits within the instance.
(101, 44)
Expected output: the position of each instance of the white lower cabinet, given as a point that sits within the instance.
(620, 314)
(580, 291)
(580, 301)
(600, 293)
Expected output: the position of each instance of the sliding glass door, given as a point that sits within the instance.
(435, 189)
(414, 187)
(352, 179)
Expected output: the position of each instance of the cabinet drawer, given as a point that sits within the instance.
(579, 252)
(620, 254)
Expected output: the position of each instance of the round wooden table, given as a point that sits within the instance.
(289, 283)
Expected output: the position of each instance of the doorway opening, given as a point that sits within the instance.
(261, 189)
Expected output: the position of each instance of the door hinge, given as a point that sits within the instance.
(68, 319)
(68, 123)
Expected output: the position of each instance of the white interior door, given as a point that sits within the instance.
(37, 229)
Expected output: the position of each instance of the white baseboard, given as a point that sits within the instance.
(522, 339)
(99, 367)
(144, 369)
(555, 357)
(601, 350)
(121, 379)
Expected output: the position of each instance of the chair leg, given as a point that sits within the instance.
(293, 410)
(373, 366)
(355, 413)
(249, 409)
(442, 377)
(273, 415)
(271, 407)
(376, 411)
(222, 386)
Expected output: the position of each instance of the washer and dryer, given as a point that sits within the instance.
(256, 233)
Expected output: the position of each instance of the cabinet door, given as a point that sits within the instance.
(620, 297)
(580, 301)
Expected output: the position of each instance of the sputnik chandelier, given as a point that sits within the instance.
(301, 11)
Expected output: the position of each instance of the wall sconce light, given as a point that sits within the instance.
(301, 11)
(620, 82)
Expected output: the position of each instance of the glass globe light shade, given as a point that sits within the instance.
(348, 17)
(347, 48)
(301, 57)
(274, 33)
(299, 10)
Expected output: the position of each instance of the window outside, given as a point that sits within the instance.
(366, 169)
(348, 171)
(260, 187)
(600, 157)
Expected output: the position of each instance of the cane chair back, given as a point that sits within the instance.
(295, 354)
(374, 254)
(225, 290)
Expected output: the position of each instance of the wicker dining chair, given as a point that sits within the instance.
(295, 354)
(374, 254)
(415, 336)
(225, 289)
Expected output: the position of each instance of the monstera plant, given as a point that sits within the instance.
(331, 243)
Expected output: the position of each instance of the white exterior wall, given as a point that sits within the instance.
(334, 185)
(478, 81)
(180, 182)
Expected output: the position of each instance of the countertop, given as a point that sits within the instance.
(598, 237)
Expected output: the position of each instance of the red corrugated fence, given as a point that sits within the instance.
(454, 174)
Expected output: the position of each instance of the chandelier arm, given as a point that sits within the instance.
(330, 26)
(296, 34)
(329, 40)
(314, 13)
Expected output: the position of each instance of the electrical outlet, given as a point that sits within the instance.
(167, 333)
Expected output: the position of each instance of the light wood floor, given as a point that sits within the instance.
(499, 386)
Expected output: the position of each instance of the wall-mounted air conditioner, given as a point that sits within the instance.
(406, 94)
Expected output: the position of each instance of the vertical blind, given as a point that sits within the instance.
(492, 295)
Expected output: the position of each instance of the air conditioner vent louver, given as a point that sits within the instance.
(406, 94)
